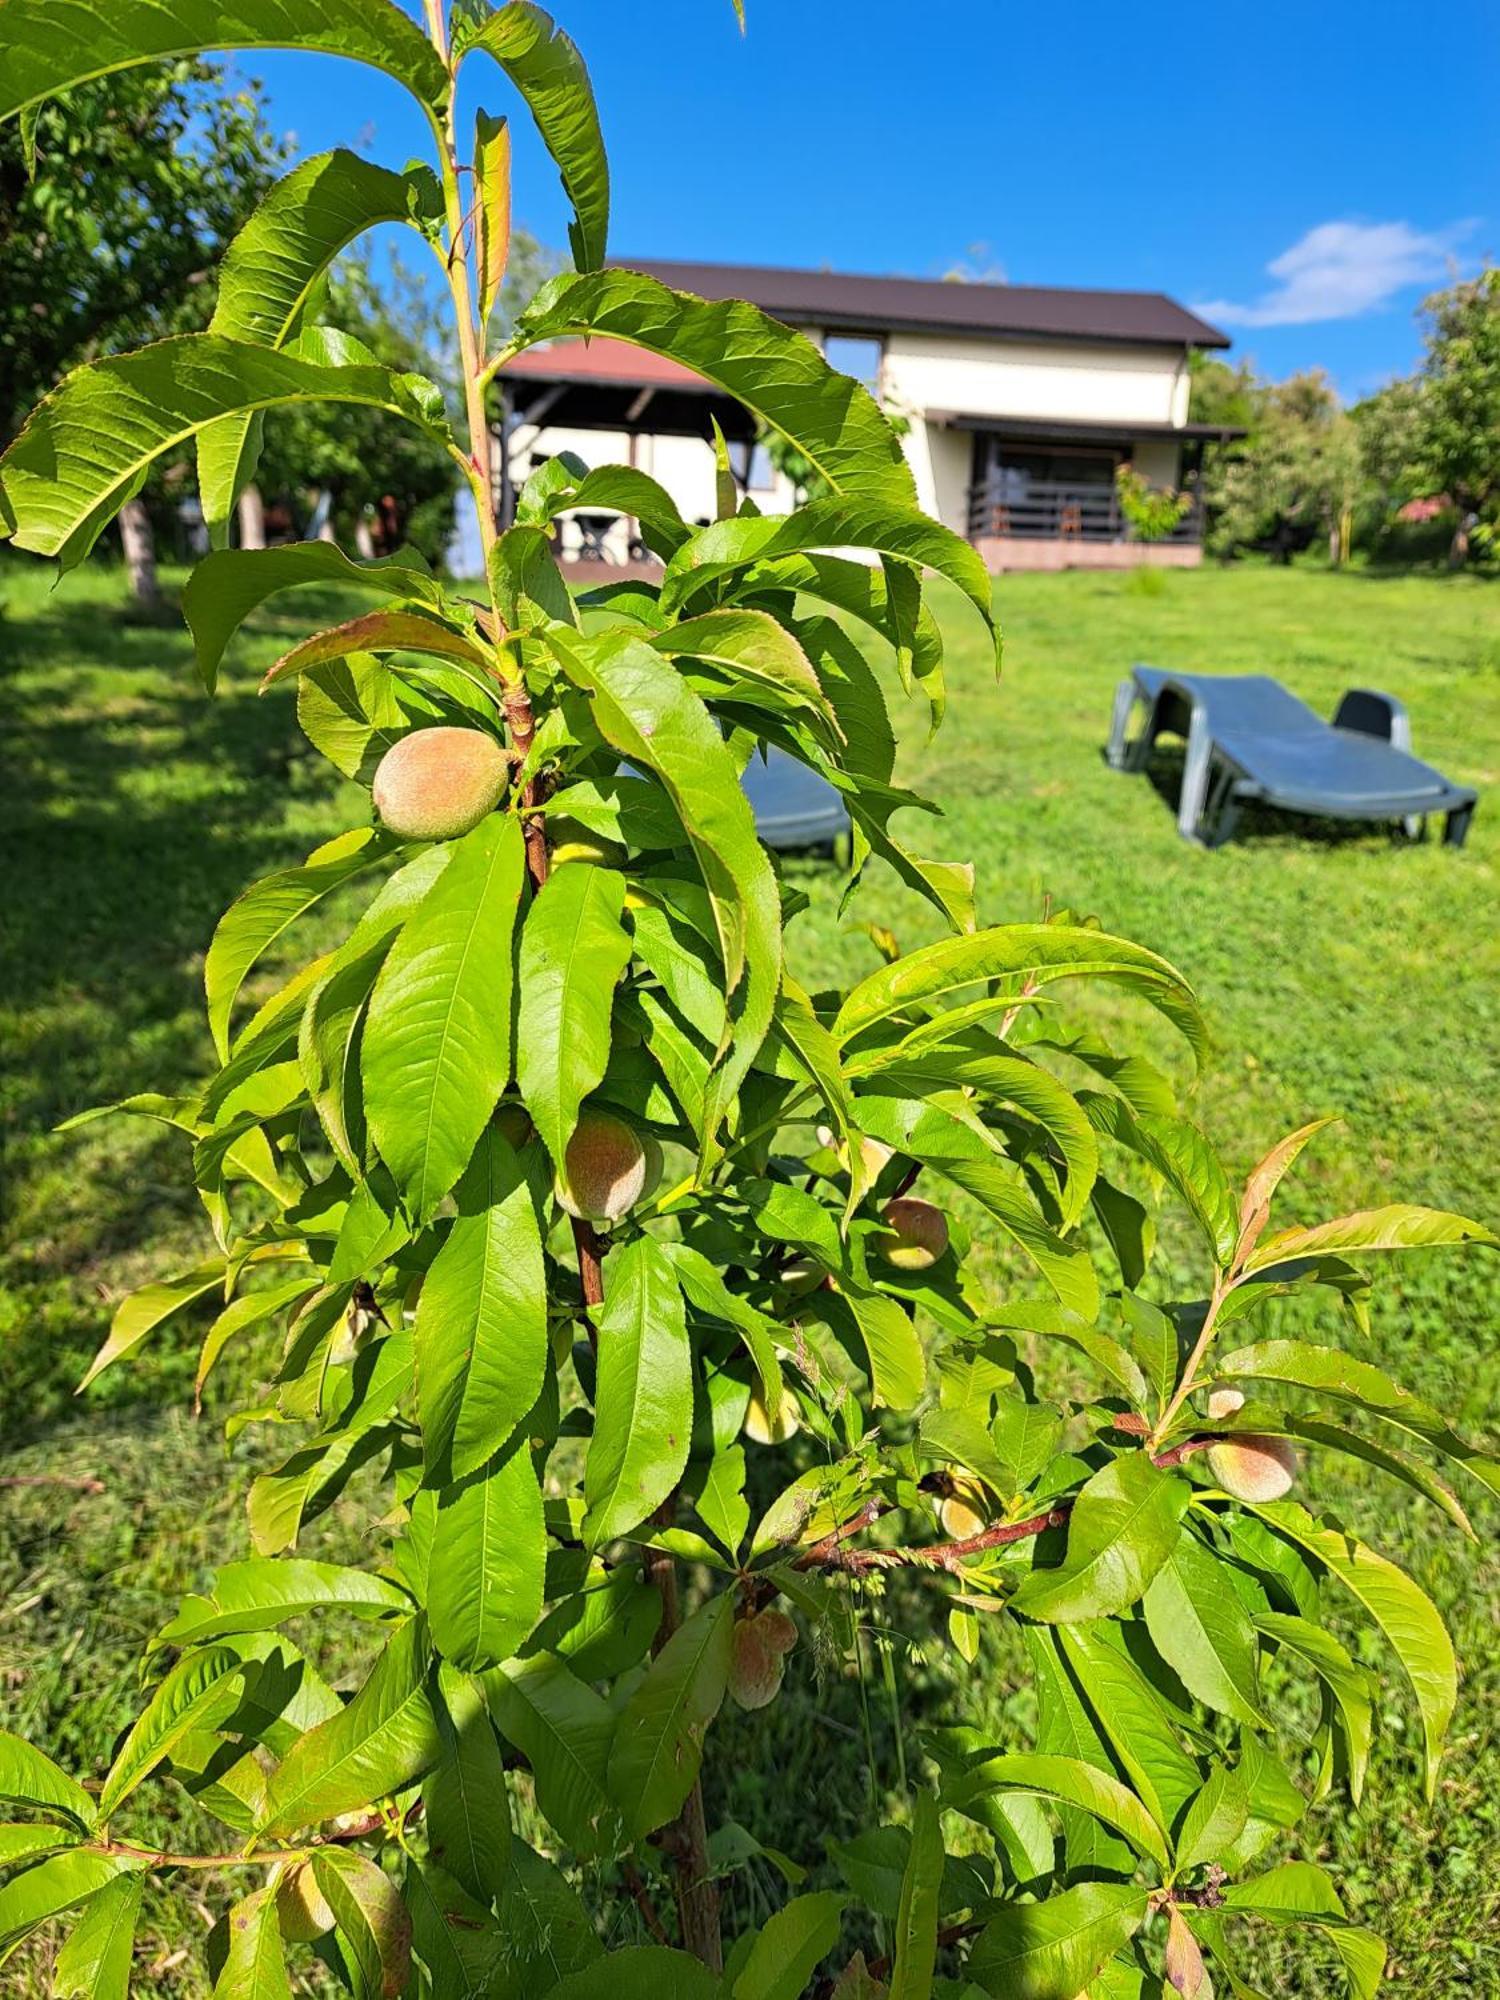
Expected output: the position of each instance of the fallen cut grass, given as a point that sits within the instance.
(1342, 971)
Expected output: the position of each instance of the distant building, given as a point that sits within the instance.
(1021, 402)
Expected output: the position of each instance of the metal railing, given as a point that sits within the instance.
(1054, 510)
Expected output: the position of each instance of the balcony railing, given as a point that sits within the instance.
(1053, 510)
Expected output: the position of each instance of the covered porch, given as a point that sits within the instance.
(1042, 494)
(612, 403)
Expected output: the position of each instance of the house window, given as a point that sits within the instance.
(760, 474)
(857, 355)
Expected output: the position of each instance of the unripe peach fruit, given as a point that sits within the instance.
(513, 1123)
(915, 1235)
(757, 1659)
(778, 1631)
(960, 1513)
(1224, 1403)
(762, 1428)
(802, 1275)
(568, 841)
(302, 1910)
(438, 783)
(877, 1155)
(608, 1169)
(1253, 1467)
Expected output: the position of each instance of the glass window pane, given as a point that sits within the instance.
(854, 355)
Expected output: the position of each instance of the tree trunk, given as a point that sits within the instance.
(685, 1841)
(1458, 548)
(252, 517)
(139, 545)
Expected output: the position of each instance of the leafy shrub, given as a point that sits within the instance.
(550, 1200)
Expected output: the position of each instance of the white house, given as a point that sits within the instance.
(1021, 403)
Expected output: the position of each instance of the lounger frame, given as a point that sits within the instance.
(1216, 784)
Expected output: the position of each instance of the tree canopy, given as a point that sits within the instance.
(140, 182)
(1437, 433)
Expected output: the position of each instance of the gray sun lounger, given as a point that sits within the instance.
(793, 806)
(1249, 740)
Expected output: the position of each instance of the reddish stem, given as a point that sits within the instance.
(832, 1552)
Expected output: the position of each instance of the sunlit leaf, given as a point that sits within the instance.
(386, 1739)
(372, 1918)
(45, 52)
(436, 1052)
(545, 66)
(1199, 1625)
(1402, 1611)
(644, 1397)
(777, 373)
(489, 1555)
(468, 1812)
(87, 448)
(1122, 1530)
(1051, 1950)
(574, 949)
(1398, 1227)
(227, 586)
(564, 1730)
(659, 1746)
(95, 1962)
(265, 277)
(481, 1332)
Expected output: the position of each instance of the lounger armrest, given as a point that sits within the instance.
(1371, 713)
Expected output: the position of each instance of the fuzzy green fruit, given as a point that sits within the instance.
(608, 1169)
(757, 1659)
(1253, 1467)
(801, 1276)
(960, 1512)
(568, 841)
(762, 1428)
(436, 784)
(915, 1235)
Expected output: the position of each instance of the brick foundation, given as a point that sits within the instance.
(1003, 552)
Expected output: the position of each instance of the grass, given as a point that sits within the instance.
(1342, 972)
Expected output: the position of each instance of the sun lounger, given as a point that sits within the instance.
(794, 807)
(1249, 740)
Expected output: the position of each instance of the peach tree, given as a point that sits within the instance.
(656, 1310)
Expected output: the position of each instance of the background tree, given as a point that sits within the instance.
(1437, 433)
(140, 181)
(376, 480)
(1298, 472)
(1151, 512)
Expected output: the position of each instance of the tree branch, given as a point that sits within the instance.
(833, 1552)
(684, 1841)
(364, 1828)
(642, 1895)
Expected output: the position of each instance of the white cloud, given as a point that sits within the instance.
(1341, 269)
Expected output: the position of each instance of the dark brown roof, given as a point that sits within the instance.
(838, 302)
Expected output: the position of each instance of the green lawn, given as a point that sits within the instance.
(1341, 972)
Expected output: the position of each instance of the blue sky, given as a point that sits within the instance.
(1303, 173)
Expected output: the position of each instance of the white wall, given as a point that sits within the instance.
(684, 466)
(1075, 380)
(1158, 460)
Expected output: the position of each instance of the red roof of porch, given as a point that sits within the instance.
(601, 360)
